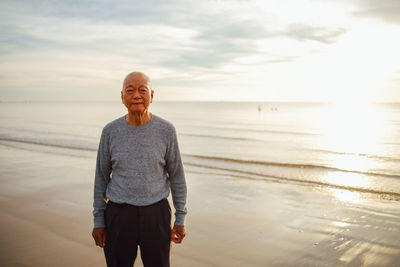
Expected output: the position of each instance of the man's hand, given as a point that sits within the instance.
(178, 233)
(99, 236)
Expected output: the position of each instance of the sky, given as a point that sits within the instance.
(209, 50)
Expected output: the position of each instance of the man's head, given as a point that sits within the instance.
(137, 93)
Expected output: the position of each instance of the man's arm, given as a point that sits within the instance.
(102, 177)
(178, 187)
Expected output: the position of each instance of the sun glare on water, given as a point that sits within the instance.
(346, 195)
(352, 132)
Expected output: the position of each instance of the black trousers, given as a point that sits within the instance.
(128, 227)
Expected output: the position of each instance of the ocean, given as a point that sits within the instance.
(349, 150)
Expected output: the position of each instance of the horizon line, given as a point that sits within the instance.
(199, 101)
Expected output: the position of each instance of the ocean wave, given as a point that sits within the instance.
(250, 176)
(73, 144)
(63, 152)
(357, 154)
(41, 132)
(392, 143)
(55, 143)
(242, 138)
(290, 165)
(218, 137)
(79, 145)
(236, 129)
(235, 172)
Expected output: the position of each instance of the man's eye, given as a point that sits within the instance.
(143, 90)
(129, 91)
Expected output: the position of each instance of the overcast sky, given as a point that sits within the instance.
(298, 50)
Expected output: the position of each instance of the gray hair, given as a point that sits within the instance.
(137, 73)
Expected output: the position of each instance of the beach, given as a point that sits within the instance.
(47, 202)
(285, 115)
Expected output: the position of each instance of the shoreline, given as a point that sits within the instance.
(47, 221)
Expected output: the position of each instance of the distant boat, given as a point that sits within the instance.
(259, 108)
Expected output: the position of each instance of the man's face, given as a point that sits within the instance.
(136, 94)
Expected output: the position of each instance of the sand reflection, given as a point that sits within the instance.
(345, 195)
(340, 224)
(350, 180)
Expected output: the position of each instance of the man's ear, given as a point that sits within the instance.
(152, 95)
(122, 97)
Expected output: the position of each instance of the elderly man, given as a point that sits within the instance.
(138, 162)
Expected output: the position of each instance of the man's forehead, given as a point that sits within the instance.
(137, 79)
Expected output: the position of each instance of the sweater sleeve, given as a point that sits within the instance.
(102, 177)
(176, 178)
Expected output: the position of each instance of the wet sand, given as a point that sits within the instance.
(46, 220)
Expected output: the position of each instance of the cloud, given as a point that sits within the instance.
(303, 32)
(219, 42)
(180, 34)
(182, 43)
(386, 10)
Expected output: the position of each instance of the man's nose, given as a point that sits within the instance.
(136, 94)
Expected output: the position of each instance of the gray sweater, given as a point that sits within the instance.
(138, 165)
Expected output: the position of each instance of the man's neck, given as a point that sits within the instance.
(137, 119)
